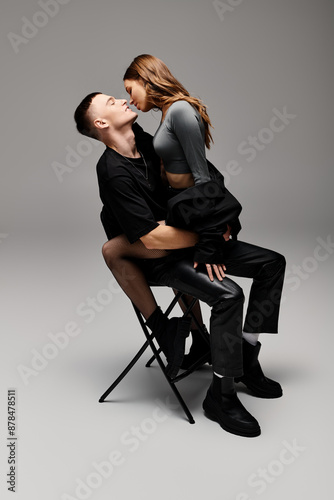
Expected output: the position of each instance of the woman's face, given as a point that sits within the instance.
(137, 93)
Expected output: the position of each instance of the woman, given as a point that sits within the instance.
(180, 141)
(198, 197)
(185, 125)
(145, 74)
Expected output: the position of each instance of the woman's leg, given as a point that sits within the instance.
(171, 333)
(118, 253)
(196, 309)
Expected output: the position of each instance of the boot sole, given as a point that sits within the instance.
(230, 427)
(258, 392)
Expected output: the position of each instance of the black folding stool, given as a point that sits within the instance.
(156, 354)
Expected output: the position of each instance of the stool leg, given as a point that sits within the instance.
(188, 311)
(162, 366)
(124, 372)
(199, 327)
(167, 313)
(149, 342)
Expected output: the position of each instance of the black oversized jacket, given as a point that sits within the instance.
(207, 209)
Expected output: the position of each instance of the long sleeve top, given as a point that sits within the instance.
(180, 142)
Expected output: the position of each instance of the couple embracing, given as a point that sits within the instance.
(169, 219)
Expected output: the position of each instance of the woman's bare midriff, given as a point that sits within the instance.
(180, 181)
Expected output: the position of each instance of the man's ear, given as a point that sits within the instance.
(100, 123)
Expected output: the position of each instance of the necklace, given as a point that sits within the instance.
(146, 167)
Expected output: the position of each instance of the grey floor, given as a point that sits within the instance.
(70, 446)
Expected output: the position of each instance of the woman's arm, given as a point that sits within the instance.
(187, 126)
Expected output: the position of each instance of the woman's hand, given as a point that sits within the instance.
(218, 269)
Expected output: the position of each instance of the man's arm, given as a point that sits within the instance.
(169, 238)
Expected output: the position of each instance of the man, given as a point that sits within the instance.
(133, 201)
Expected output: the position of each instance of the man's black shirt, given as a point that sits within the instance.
(132, 204)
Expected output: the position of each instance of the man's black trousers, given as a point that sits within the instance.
(226, 298)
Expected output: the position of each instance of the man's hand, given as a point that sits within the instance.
(218, 269)
(227, 235)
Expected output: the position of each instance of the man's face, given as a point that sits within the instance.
(115, 113)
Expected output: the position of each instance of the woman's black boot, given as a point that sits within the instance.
(199, 351)
(171, 336)
(253, 376)
(223, 406)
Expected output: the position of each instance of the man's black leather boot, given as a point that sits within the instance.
(223, 406)
(253, 376)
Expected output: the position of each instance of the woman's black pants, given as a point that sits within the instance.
(226, 298)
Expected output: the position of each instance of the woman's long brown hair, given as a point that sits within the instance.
(162, 88)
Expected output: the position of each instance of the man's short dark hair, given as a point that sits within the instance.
(82, 119)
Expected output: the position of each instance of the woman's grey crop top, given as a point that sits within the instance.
(180, 142)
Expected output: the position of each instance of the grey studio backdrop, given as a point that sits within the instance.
(264, 68)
